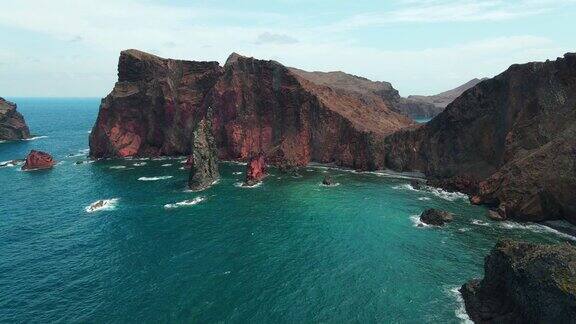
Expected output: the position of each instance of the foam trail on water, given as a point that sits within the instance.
(461, 310)
(139, 164)
(417, 222)
(104, 204)
(117, 167)
(479, 222)
(423, 198)
(241, 185)
(166, 165)
(154, 178)
(185, 203)
(35, 138)
(537, 228)
(446, 195)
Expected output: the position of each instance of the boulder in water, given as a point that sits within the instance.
(328, 181)
(524, 283)
(436, 217)
(38, 160)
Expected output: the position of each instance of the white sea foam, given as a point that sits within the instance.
(10, 163)
(139, 164)
(181, 168)
(424, 198)
(104, 204)
(117, 167)
(185, 203)
(537, 228)
(237, 173)
(35, 138)
(336, 184)
(479, 222)
(417, 222)
(404, 186)
(446, 195)
(154, 178)
(461, 310)
(464, 229)
(166, 165)
(241, 185)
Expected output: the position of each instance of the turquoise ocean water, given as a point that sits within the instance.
(289, 250)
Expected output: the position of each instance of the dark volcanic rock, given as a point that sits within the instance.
(524, 283)
(258, 106)
(436, 217)
(37, 160)
(328, 181)
(512, 136)
(204, 159)
(12, 124)
(255, 170)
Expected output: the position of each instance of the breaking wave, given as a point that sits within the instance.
(241, 185)
(185, 203)
(117, 167)
(461, 310)
(166, 164)
(104, 204)
(537, 228)
(154, 178)
(479, 222)
(139, 164)
(417, 222)
(35, 138)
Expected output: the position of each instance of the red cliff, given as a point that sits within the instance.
(258, 106)
(255, 170)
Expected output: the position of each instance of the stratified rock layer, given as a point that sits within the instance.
(524, 283)
(510, 138)
(258, 106)
(12, 124)
(38, 160)
(204, 159)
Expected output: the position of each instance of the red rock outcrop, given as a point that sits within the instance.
(512, 137)
(255, 170)
(12, 124)
(204, 159)
(258, 106)
(38, 160)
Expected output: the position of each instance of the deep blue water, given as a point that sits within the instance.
(287, 251)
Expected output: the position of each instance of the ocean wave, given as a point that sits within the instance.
(479, 222)
(10, 163)
(139, 164)
(241, 185)
(537, 228)
(237, 173)
(154, 178)
(424, 198)
(460, 312)
(446, 195)
(185, 203)
(417, 222)
(104, 204)
(404, 186)
(166, 165)
(35, 138)
(117, 167)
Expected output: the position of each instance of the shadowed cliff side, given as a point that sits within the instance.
(515, 131)
(12, 124)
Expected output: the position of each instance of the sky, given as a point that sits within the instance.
(70, 48)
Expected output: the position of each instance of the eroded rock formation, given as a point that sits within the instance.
(38, 160)
(524, 283)
(258, 106)
(436, 217)
(12, 124)
(255, 170)
(509, 140)
(204, 159)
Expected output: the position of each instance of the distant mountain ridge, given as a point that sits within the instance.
(442, 100)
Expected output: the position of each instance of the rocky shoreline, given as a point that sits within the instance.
(12, 124)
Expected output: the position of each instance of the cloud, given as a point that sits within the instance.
(268, 38)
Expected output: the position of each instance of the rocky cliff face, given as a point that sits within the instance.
(255, 170)
(12, 124)
(204, 160)
(524, 283)
(258, 106)
(153, 108)
(511, 136)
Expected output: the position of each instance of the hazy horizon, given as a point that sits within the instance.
(69, 49)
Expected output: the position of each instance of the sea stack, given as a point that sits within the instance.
(255, 170)
(38, 160)
(436, 217)
(524, 283)
(12, 124)
(204, 160)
